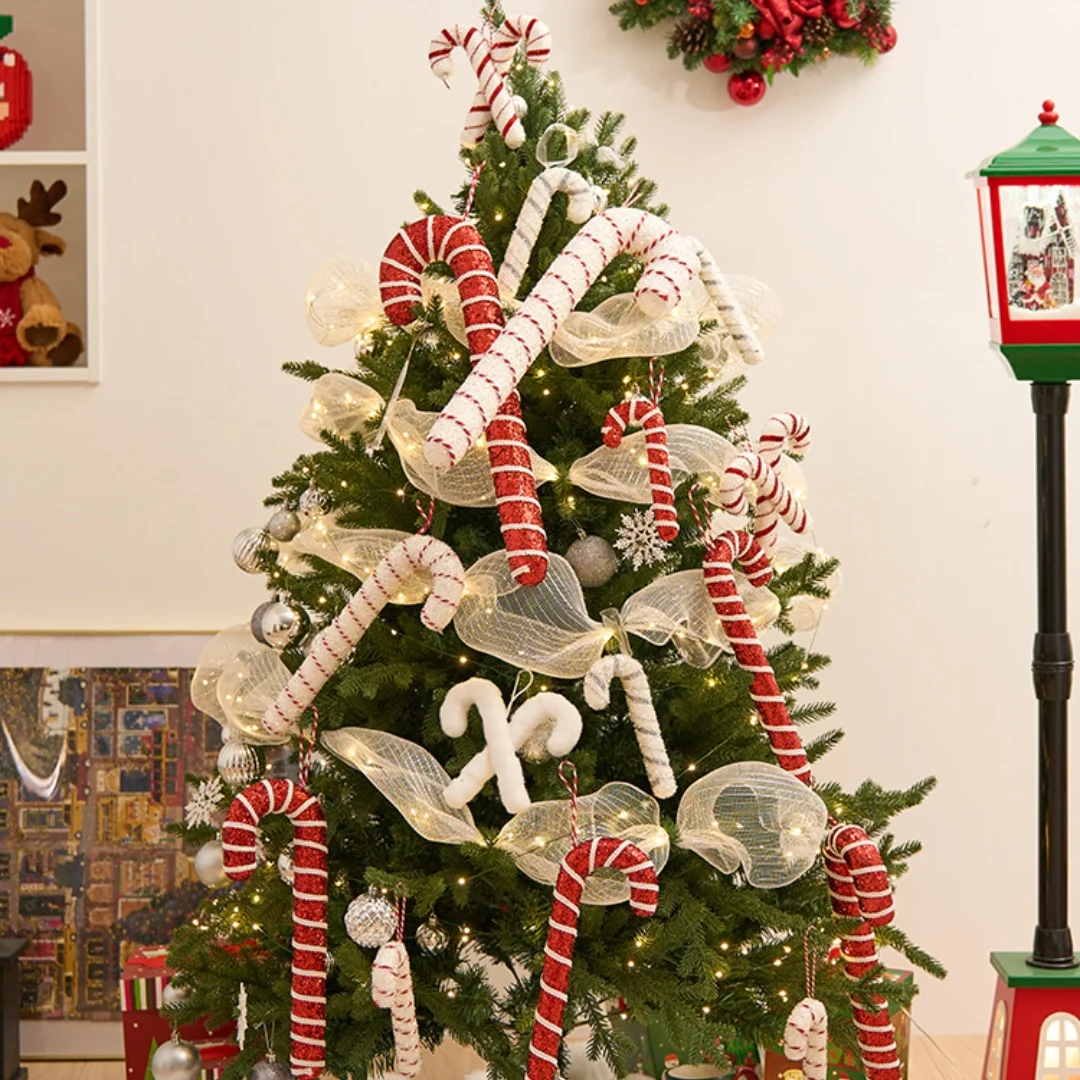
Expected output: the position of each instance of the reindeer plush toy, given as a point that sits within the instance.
(33, 329)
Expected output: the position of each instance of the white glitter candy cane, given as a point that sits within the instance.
(585, 200)
(806, 1038)
(332, 647)
(504, 738)
(642, 714)
(774, 501)
(392, 988)
(728, 307)
(669, 263)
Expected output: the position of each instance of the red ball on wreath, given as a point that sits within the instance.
(840, 13)
(747, 87)
(886, 39)
(746, 48)
(717, 63)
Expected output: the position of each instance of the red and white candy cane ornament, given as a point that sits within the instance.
(331, 648)
(721, 553)
(240, 835)
(859, 888)
(646, 412)
(774, 501)
(451, 240)
(580, 861)
(669, 263)
(392, 988)
(806, 1038)
(493, 102)
(784, 431)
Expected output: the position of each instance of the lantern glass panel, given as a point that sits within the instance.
(986, 223)
(1038, 223)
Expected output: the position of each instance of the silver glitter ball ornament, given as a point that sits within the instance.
(284, 525)
(173, 995)
(286, 870)
(279, 625)
(176, 1060)
(314, 502)
(210, 865)
(370, 920)
(238, 764)
(593, 560)
(248, 546)
(431, 937)
(270, 1069)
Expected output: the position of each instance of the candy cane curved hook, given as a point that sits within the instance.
(669, 263)
(647, 413)
(806, 1038)
(332, 647)
(774, 503)
(504, 739)
(642, 714)
(447, 239)
(579, 863)
(730, 310)
(518, 28)
(392, 988)
(784, 431)
(240, 835)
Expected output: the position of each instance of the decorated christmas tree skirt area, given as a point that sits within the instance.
(522, 755)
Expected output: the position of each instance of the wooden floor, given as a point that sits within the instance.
(954, 1057)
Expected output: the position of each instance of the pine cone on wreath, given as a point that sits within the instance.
(817, 33)
(692, 36)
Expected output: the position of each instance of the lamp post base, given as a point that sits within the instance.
(1035, 1024)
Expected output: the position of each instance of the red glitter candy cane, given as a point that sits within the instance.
(721, 553)
(647, 413)
(580, 861)
(451, 240)
(859, 888)
(240, 836)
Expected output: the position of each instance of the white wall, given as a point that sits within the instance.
(245, 143)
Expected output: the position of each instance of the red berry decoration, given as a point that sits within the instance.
(778, 56)
(746, 48)
(840, 13)
(718, 63)
(703, 9)
(886, 42)
(747, 87)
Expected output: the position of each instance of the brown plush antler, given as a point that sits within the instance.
(38, 210)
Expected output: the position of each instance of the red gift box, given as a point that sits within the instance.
(145, 1029)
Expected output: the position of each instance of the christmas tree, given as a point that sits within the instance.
(600, 579)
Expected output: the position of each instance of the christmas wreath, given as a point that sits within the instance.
(752, 40)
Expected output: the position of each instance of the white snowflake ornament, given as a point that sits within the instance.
(203, 802)
(637, 540)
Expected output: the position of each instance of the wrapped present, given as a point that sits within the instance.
(843, 1065)
(144, 978)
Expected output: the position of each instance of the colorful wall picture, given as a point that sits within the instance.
(92, 765)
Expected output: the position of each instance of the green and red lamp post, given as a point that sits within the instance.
(1029, 209)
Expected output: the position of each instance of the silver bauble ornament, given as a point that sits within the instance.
(431, 937)
(270, 1069)
(256, 621)
(279, 624)
(210, 865)
(314, 502)
(284, 525)
(175, 1060)
(521, 106)
(248, 546)
(237, 763)
(593, 560)
(174, 995)
(370, 920)
(319, 762)
(286, 870)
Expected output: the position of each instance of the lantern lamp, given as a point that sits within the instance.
(1029, 209)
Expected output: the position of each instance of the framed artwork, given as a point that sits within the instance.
(49, 328)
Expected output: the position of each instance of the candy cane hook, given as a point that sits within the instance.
(784, 431)
(392, 988)
(332, 647)
(669, 263)
(446, 239)
(806, 1038)
(647, 413)
(584, 201)
(240, 835)
(774, 501)
(732, 316)
(721, 553)
(562, 935)
(504, 739)
(642, 714)
(859, 888)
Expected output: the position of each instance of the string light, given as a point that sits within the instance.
(463, 659)
(461, 881)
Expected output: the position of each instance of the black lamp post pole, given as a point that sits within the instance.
(1052, 670)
